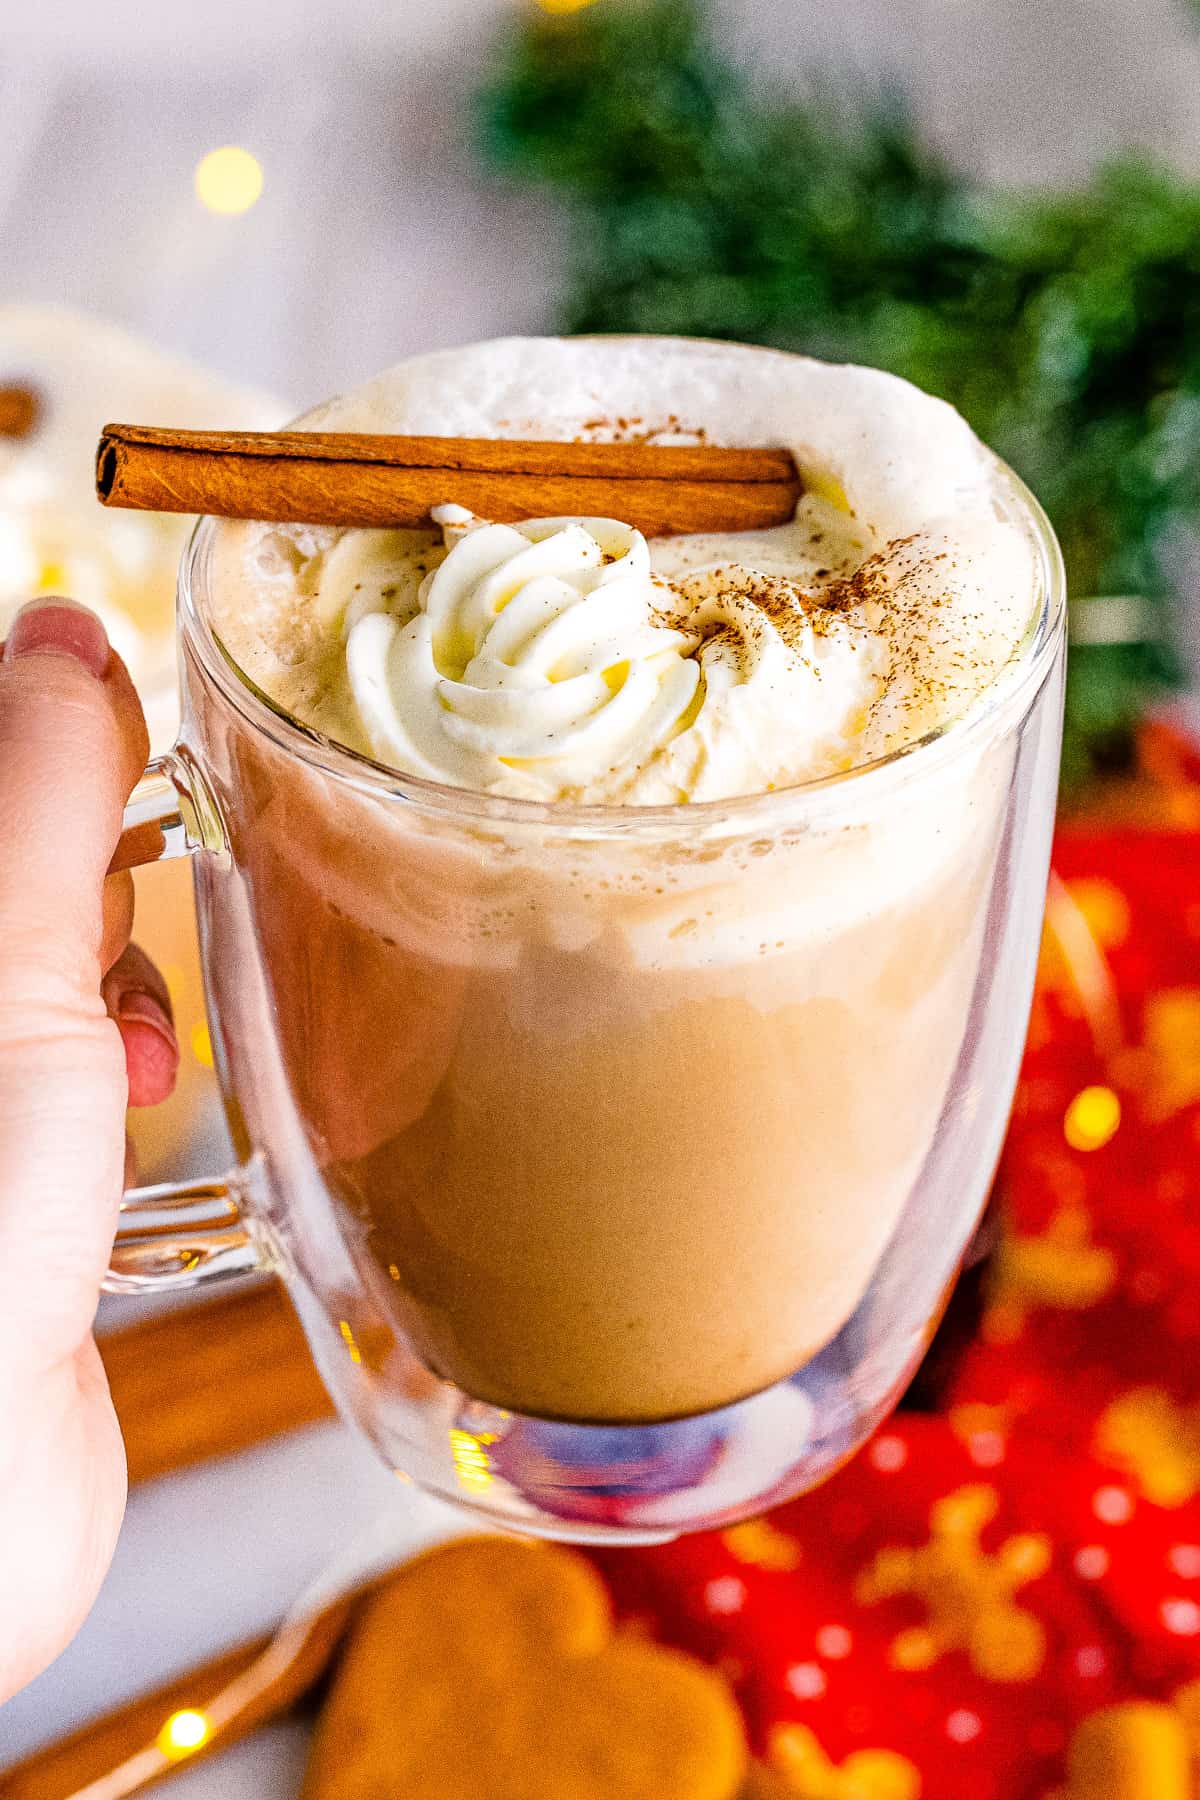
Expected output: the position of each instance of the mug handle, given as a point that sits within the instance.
(179, 1233)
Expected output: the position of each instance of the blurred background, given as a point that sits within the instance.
(272, 199)
(377, 233)
(998, 199)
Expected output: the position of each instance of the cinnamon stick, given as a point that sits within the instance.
(351, 478)
(20, 409)
(210, 1380)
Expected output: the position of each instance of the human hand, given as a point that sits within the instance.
(85, 1026)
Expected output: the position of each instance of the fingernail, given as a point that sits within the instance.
(58, 628)
(136, 1008)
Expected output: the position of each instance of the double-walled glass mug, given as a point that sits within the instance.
(618, 1161)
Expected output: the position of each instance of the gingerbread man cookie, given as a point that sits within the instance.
(489, 1667)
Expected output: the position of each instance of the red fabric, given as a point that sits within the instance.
(975, 1584)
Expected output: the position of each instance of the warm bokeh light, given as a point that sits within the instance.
(228, 180)
(472, 1464)
(564, 6)
(1092, 1118)
(1104, 907)
(201, 1042)
(184, 1732)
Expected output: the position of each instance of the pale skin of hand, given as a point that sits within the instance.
(85, 1027)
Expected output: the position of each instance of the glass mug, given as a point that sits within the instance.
(619, 1163)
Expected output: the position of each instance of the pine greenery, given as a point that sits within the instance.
(1066, 326)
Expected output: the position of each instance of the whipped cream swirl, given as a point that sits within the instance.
(539, 661)
(567, 659)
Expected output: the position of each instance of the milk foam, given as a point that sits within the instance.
(924, 581)
(910, 589)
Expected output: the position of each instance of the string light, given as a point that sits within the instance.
(228, 180)
(1092, 1118)
(184, 1733)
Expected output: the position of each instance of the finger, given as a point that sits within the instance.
(136, 996)
(118, 917)
(72, 742)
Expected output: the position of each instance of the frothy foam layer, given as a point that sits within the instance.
(568, 659)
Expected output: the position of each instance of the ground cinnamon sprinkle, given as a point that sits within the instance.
(628, 430)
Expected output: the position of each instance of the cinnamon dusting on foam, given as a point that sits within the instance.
(820, 644)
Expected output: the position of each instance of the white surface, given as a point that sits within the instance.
(215, 1556)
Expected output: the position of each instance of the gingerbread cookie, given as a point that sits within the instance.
(488, 1667)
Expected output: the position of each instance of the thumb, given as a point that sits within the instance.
(72, 743)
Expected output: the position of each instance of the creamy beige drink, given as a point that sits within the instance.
(621, 1128)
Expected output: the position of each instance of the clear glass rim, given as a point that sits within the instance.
(1008, 700)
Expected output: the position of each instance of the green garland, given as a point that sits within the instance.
(1066, 326)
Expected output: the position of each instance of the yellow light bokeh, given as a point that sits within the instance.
(564, 6)
(1104, 907)
(472, 1464)
(228, 180)
(913, 1650)
(1092, 1118)
(202, 1048)
(184, 1732)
